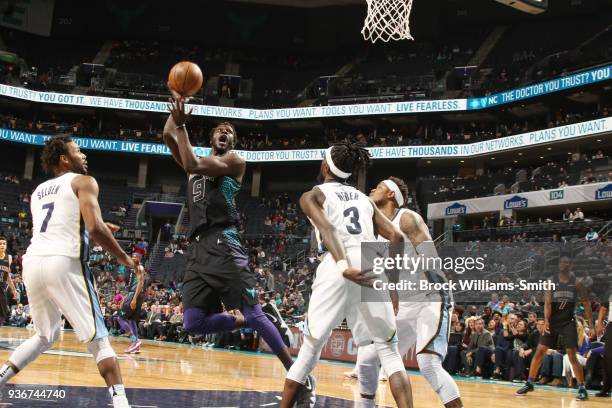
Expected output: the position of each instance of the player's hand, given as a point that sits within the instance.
(126, 261)
(599, 329)
(360, 277)
(177, 110)
(133, 304)
(114, 228)
(546, 327)
(175, 95)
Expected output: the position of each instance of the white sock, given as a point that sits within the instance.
(6, 373)
(117, 389)
(366, 403)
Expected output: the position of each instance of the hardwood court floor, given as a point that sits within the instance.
(158, 376)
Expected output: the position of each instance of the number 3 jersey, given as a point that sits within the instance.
(350, 212)
(57, 226)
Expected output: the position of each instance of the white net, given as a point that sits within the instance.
(387, 20)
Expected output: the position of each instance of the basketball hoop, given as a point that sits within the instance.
(387, 20)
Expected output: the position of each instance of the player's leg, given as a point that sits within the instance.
(197, 321)
(257, 320)
(607, 357)
(73, 291)
(435, 317)
(570, 338)
(134, 336)
(534, 367)
(326, 310)
(368, 368)
(571, 354)
(375, 321)
(368, 364)
(46, 318)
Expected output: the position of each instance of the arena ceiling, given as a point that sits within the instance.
(304, 3)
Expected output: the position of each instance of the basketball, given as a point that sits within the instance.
(186, 78)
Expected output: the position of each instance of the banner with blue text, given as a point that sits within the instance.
(576, 130)
(391, 108)
(543, 88)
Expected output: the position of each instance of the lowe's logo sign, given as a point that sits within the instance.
(515, 202)
(604, 193)
(456, 209)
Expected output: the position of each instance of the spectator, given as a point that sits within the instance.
(578, 215)
(18, 318)
(479, 350)
(23, 218)
(591, 235)
(523, 350)
(167, 231)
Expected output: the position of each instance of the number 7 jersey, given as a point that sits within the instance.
(350, 212)
(57, 225)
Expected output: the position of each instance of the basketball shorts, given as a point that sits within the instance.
(217, 275)
(562, 335)
(5, 309)
(127, 312)
(424, 327)
(59, 285)
(335, 298)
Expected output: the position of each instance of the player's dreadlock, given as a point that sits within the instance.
(350, 157)
(54, 148)
(401, 184)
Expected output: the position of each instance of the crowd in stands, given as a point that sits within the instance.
(576, 169)
(499, 339)
(527, 52)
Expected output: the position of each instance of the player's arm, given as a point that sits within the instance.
(547, 310)
(387, 230)
(586, 302)
(311, 203)
(414, 227)
(9, 280)
(86, 189)
(603, 311)
(170, 139)
(213, 166)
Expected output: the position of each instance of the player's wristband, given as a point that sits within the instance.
(342, 265)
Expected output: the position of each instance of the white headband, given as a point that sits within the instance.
(399, 198)
(332, 167)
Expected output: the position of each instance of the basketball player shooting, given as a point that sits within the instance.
(421, 324)
(560, 322)
(344, 217)
(65, 214)
(217, 273)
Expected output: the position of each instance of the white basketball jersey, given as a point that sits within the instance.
(350, 211)
(56, 220)
(397, 221)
